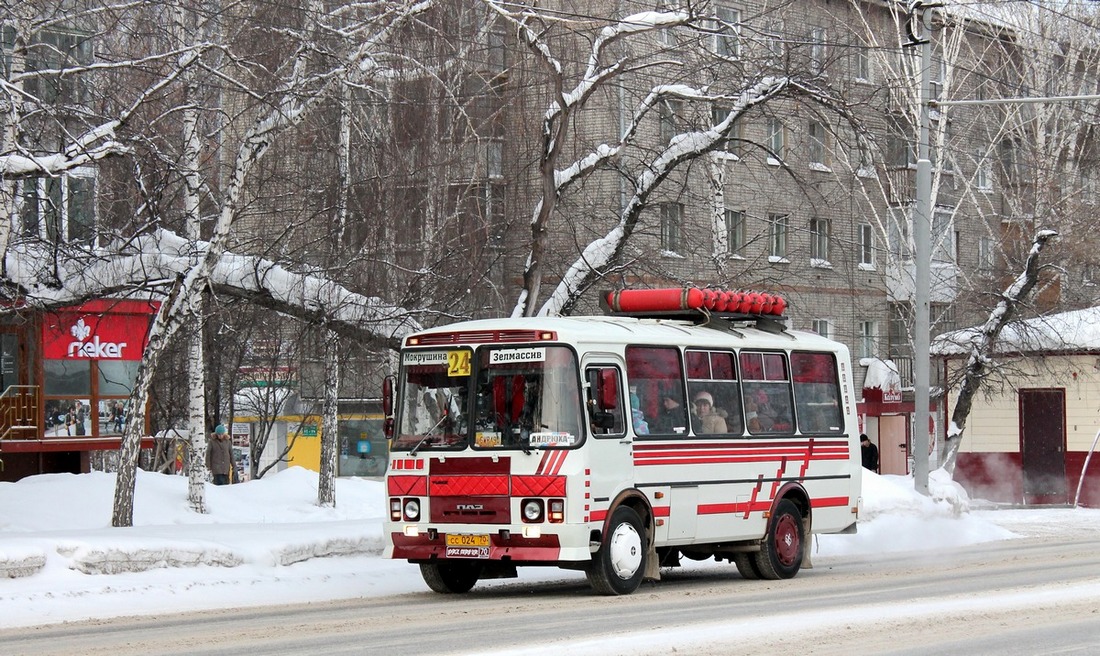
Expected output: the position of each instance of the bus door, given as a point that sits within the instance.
(610, 448)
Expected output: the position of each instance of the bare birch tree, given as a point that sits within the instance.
(983, 345)
(620, 51)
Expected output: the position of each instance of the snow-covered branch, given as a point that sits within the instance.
(152, 263)
(601, 253)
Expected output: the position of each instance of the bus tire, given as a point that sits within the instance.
(780, 554)
(450, 577)
(618, 566)
(746, 566)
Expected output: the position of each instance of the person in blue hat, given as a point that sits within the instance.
(219, 456)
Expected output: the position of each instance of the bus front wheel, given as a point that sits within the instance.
(780, 554)
(618, 566)
(450, 577)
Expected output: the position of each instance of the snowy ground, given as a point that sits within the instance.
(267, 542)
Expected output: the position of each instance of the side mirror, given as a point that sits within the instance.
(603, 419)
(387, 407)
(387, 396)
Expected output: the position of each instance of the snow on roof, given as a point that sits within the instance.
(1077, 330)
(881, 374)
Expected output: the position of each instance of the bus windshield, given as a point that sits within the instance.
(499, 398)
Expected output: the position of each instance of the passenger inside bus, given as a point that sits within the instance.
(637, 417)
(707, 419)
(765, 411)
(671, 419)
(752, 417)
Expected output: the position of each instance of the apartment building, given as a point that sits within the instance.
(808, 195)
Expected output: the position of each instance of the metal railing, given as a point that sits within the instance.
(905, 369)
(19, 412)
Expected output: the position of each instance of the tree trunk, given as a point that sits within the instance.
(326, 484)
(196, 423)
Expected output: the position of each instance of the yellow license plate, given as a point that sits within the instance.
(467, 540)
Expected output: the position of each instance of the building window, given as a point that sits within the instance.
(360, 443)
(939, 77)
(735, 231)
(897, 238)
(1013, 167)
(773, 39)
(668, 36)
(866, 246)
(983, 174)
(819, 242)
(945, 161)
(817, 150)
(899, 345)
(669, 110)
(817, 49)
(727, 39)
(985, 254)
(863, 64)
(496, 42)
(866, 162)
(778, 227)
(671, 219)
(59, 209)
(494, 158)
(734, 139)
(777, 141)
(943, 318)
(943, 236)
(868, 335)
(900, 150)
(821, 327)
(57, 51)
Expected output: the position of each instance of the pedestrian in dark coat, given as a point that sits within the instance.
(219, 456)
(870, 453)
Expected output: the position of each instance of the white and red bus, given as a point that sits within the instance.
(697, 427)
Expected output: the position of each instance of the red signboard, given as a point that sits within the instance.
(98, 330)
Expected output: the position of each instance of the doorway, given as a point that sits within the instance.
(893, 444)
(1042, 445)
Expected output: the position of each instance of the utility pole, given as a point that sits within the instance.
(922, 255)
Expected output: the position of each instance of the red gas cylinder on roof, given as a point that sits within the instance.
(688, 299)
(655, 300)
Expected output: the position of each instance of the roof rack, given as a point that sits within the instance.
(695, 304)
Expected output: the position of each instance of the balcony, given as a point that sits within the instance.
(905, 370)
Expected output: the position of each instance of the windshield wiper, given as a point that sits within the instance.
(427, 439)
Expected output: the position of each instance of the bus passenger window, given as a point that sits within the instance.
(816, 392)
(767, 391)
(657, 375)
(712, 381)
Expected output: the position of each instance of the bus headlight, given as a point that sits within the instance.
(412, 510)
(532, 510)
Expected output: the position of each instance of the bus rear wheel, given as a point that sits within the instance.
(746, 566)
(780, 555)
(451, 577)
(618, 566)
